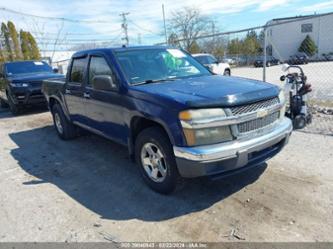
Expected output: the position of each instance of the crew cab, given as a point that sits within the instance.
(21, 83)
(176, 118)
(211, 63)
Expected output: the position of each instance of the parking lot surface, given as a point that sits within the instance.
(87, 189)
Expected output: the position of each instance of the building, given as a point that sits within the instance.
(286, 35)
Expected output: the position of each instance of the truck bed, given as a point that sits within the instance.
(53, 86)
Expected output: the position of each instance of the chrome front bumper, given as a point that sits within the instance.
(208, 159)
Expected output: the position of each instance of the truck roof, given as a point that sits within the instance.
(84, 52)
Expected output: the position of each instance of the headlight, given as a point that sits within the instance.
(282, 99)
(201, 114)
(204, 136)
(19, 84)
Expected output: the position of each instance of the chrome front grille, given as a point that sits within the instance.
(258, 123)
(254, 107)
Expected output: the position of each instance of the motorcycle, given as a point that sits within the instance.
(297, 90)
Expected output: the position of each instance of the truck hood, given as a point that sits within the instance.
(210, 91)
(33, 78)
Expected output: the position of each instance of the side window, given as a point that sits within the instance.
(77, 73)
(98, 66)
(202, 59)
(211, 60)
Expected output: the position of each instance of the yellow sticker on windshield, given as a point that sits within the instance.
(176, 53)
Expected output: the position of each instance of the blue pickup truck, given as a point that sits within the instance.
(21, 84)
(177, 119)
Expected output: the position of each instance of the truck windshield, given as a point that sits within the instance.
(26, 67)
(155, 65)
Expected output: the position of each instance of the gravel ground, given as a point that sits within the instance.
(88, 190)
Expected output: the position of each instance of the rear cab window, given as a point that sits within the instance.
(77, 71)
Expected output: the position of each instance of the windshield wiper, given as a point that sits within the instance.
(154, 81)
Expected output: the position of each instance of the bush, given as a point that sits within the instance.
(308, 46)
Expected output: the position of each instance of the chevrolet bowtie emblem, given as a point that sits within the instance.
(262, 113)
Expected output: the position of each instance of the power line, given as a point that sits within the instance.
(75, 34)
(63, 19)
(142, 29)
(72, 40)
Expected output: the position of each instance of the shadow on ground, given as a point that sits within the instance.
(100, 176)
(5, 112)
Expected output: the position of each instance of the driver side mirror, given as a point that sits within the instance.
(103, 82)
(55, 70)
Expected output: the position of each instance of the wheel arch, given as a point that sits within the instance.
(138, 124)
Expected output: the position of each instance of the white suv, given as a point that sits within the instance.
(213, 64)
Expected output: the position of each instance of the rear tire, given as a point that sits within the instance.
(65, 129)
(153, 152)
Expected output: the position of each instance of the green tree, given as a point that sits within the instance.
(251, 44)
(2, 57)
(34, 51)
(8, 55)
(235, 46)
(25, 45)
(194, 48)
(308, 46)
(17, 54)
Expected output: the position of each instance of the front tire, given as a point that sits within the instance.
(14, 109)
(156, 161)
(65, 129)
(227, 72)
(3, 104)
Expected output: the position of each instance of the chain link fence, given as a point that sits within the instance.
(259, 52)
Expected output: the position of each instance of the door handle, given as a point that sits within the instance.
(68, 91)
(86, 95)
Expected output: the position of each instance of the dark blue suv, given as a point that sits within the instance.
(21, 83)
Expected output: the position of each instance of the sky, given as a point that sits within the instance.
(101, 20)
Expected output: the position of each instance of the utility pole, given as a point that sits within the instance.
(213, 29)
(124, 27)
(165, 31)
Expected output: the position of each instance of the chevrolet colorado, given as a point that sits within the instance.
(176, 118)
(21, 83)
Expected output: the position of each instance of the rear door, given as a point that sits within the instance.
(75, 88)
(104, 109)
